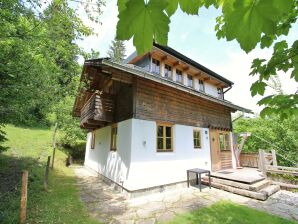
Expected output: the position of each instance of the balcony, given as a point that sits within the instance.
(97, 111)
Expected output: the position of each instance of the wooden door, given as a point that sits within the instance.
(215, 152)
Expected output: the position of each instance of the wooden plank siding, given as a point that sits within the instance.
(154, 101)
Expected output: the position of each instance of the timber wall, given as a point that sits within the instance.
(153, 101)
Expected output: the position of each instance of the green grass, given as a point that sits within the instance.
(228, 213)
(28, 149)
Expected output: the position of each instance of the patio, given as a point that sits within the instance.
(108, 206)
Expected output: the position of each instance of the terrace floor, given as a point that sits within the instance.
(245, 175)
(107, 206)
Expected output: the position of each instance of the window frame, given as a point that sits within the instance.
(220, 92)
(92, 146)
(113, 147)
(164, 138)
(169, 72)
(179, 74)
(190, 80)
(154, 63)
(201, 83)
(226, 147)
(196, 130)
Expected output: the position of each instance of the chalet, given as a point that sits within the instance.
(154, 116)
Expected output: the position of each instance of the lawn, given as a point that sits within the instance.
(228, 213)
(28, 149)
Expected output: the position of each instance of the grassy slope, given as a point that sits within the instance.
(28, 149)
(226, 212)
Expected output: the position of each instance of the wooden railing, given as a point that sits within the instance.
(99, 108)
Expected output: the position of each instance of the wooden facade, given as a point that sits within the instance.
(154, 101)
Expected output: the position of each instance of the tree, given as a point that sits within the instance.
(271, 133)
(38, 59)
(117, 51)
(249, 22)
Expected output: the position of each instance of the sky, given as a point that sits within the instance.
(194, 36)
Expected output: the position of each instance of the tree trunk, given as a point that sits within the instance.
(54, 144)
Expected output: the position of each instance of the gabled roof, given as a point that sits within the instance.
(137, 71)
(185, 59)
(195, 64)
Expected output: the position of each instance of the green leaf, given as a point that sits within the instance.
(121, 4)
(258, 88)
(172, 7)
(190, 7)
(143, 22)
(246, 20)
(267, 111)
(267, 40)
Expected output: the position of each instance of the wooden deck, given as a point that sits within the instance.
(245, 175)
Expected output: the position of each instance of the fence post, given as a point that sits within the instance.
(262, 161)
(274, 157)
(23, 204)
(46, 175)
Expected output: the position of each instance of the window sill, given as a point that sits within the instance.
(164, 151)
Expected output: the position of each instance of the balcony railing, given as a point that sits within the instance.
(99, 109)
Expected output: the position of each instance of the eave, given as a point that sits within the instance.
(137, 71)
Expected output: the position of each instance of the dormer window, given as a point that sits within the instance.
(155, 67)
(201, 85)
(168, 71)
(220, 93)
(178, 76)
(189, 81)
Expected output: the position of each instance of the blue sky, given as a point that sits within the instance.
(195, 37)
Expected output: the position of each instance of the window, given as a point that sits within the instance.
(224, 141)
(178, 76)
(114, 138)
(220, 93)
(164, 138)
(201, 85)
(155, 67)
(168, 71)
(92, 140)
(189, 81)
(197, 139)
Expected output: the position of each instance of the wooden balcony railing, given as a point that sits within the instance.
(97, 110)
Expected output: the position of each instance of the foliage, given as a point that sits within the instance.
(117, 51)
(249, 22)
(38, 58)
(61, 203)
(271, 133)
(71, 133)
(227, 212)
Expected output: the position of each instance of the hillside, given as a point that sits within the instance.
(28, 149)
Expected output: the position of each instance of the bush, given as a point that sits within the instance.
(76, 150)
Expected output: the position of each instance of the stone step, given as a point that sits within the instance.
(251, 194)
(252, 187)
(260, 185)
(270, 190)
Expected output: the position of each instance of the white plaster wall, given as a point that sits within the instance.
(114, 165)
(150, 168)
(210, 89)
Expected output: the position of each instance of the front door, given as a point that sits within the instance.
(220, 144)
(215, 151)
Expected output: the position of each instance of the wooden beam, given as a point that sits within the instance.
(176, 63)
(163, 58)
(186, 68)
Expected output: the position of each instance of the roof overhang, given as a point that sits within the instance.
(139, 72)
